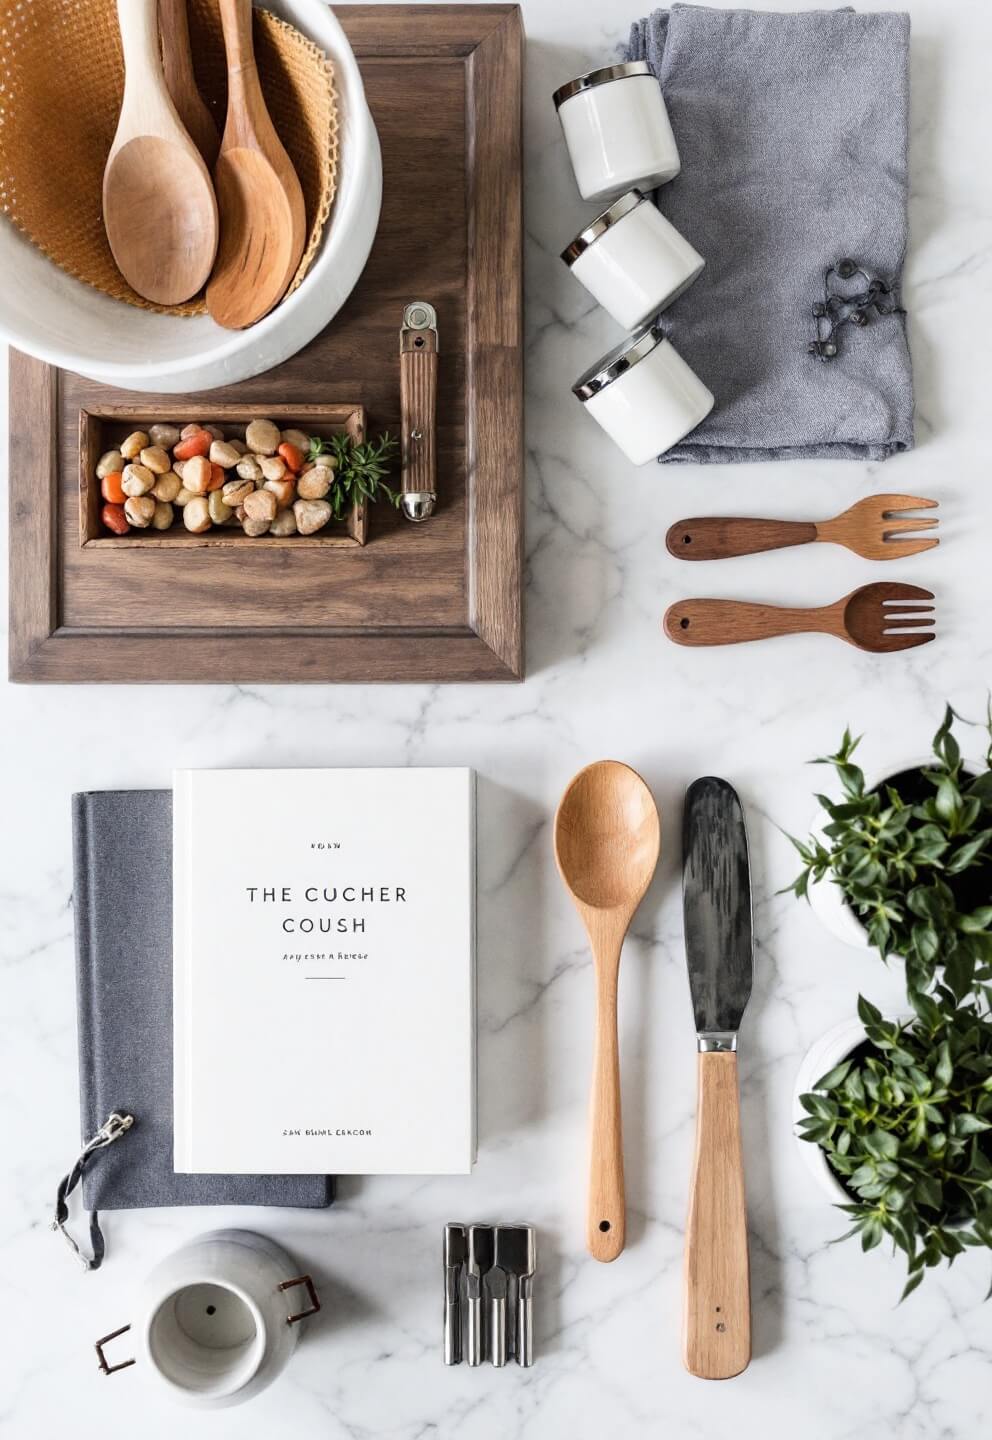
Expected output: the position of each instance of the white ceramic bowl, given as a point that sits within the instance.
(47, 313)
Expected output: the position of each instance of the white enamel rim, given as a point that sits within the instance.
(826, 901)
(44, 311)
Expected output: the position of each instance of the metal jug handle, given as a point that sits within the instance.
(312, 1297)
(101, 1357)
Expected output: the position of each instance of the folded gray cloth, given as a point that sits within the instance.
(793, 133)
(122, 856)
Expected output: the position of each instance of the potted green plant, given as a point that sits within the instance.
(902, 1122)
(908, 862)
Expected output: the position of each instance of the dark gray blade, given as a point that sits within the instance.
(716, 902)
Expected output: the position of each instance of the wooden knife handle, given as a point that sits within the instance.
(606, 1220)
(717, 1321)
(714, 537)
(727, 622)
(418, 406)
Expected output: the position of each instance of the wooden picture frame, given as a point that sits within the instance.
(437, 602)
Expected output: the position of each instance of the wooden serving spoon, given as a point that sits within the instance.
(177, 61)
(607, 841)
(158, 203)
(880, 617)
(263, 220)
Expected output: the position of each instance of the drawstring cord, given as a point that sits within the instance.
(112, 1129)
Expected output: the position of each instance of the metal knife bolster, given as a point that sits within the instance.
(714, 1041)
(716, 896)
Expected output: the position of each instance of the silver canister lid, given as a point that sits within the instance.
(618, 362)
(603, 76)
(601, 224)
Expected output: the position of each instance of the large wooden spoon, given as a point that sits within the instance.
(177, 60)
(607, 842)
(158, 202)
(263, 221)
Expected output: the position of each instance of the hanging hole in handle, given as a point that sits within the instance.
(418, 344)
(684, 622)
(312, 1296)
(604, 1225)
(105, 1366)
(686, 539)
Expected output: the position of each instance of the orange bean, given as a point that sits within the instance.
(197, 444)
(293, 456)
(110, 488)
(218, 478)
(114, 518)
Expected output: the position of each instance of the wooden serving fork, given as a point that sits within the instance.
(874, 617)
(874, 528)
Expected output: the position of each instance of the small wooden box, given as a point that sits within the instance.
(103, 430)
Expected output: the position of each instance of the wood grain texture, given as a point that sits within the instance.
(875, 528)
(159, 208)
(714, 537)
(717, 1317)
(418, 410)
(879, 618)
(428, 603)
(105, 431)
(263, 222)
(177, 63)
(607, 841)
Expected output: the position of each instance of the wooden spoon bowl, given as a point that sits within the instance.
(158, 203)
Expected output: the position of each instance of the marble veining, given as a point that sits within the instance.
(834, 1358)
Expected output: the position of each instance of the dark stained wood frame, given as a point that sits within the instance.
(489, 39)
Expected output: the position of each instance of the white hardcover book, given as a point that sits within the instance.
(324, 971)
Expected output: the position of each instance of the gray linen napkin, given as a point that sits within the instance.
(793, 133)
(122, 856)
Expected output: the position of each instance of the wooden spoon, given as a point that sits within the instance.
(607, 841)
(263, 221)
(177, 60)
(158, 202)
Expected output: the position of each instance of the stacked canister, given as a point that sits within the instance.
(630, 258)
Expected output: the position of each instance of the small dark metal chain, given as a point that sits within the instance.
(837, 309)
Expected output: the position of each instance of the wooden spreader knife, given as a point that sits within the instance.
(418, 405)
(716, 893)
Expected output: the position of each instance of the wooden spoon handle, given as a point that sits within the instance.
(180, 79)
(727, 622)
(138, 22)
(236, 22)
(606, 1217)
(713, 537)
(717, 1319)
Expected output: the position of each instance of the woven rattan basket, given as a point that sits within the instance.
(62, 77)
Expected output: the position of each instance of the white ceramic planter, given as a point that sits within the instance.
(826, 899)
(822, 1056)
(217, 1320)
(47, 313)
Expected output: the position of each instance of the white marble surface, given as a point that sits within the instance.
(833, 1357)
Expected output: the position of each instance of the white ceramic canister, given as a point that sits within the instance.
(218, 1320)
(632, 260)
(617, 130)
(644, 395)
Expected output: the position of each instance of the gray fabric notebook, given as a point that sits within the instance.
(122, 854)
